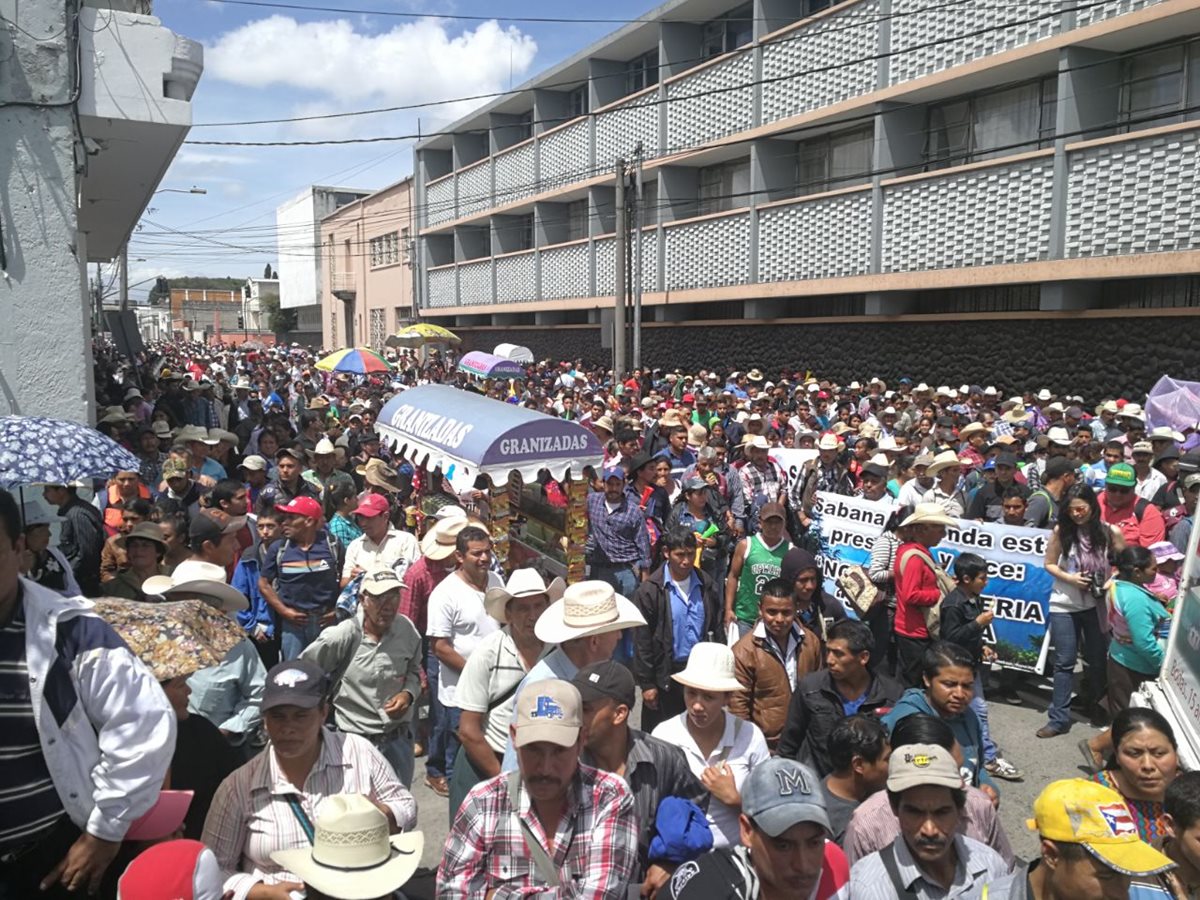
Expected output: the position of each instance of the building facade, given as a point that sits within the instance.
(95, 100)
(812, 162)
(298, 242)
(368, 272)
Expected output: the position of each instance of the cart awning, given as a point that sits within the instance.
(437, 425)
(488, 365)
(515, 352)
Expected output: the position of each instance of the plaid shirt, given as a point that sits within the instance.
(618, 537)
(595, 845)
(419, 581)
(770, 482)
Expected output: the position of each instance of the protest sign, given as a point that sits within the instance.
(791, 461)
(1018, 587)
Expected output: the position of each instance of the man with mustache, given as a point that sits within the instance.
(930, 859)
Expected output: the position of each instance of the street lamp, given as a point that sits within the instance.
(125, 248)
(192, 190)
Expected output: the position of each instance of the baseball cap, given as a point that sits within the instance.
(213, 524)
(779, 793)
(915, 765)
(184, 868)
(1006, 459)
(297, 682)
(301, 506)
(373, 505)
(614, 472)
(771, 511)
(290, 452)
(174, 468)
(380, 581)
(1142, 447)
(546, 711)
(1074, 811)
(254, 463)
(1122, 475)
(875, 471)
(607, 679)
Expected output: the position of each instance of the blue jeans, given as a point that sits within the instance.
(443, 727)
(294, 638)
(624, 580)
(979, 704)
(1066, 631)
(399, 752)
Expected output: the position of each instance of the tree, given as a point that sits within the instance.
(279, 320)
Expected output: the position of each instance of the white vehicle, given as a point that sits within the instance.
(1176, 692)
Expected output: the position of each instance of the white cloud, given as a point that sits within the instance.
(411, 63)
(193, 157)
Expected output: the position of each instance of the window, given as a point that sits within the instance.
(404, 245)
(385, 249)
(724, 187)
(524, 126)
(642, 72)
(649, 202)
(378, 326)
(729, 32)
(1160, 87)
(577, 102)
(520, 233)
(833, 161)
(577, 220)
(403, 314)
(991, 125)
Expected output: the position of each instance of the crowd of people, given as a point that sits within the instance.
(701, 716)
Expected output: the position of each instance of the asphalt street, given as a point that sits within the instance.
(1014, 719)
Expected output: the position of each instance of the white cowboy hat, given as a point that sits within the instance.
(928, 514)
(196, 433)
(198, 578)
(522, 583)
(973, 428)
(828, 442)
(439, 541)
(709, 668)
(585, 609)
(352, 855)
(943, 460)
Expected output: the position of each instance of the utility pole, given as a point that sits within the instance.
(125, 277)
(619, 263)
(638, 223)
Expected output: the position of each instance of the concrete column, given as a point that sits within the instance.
(891, 303)
(506, 131)
(772, 308)
(678, 192)
(678, 48)
(606, 82)
(550, 223)
(471, 242)
(549, 109)
(772, 170)
(771, 15)
(469, 147)
(1061, 296)
(549, 318)
(671, 312)
(507, 319)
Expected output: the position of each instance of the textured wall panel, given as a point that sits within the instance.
(564, 155)
(475, 188)
(1134, 197)
(565, 272)
(475, 283)
(619, 130)
(709, 253)
(828, 238)
(515, 280)
(515, 173)
(441, 289)
(606, 283)
(981, 217)
(843, 44)
(1091, 14)
(719, 101)
(439, 202)
(930, 37)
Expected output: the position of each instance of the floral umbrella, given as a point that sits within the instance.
(355, 360)
(423, 333)
(175, 637)
(38, 450)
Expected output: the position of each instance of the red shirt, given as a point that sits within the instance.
(916, 589)
(1150, 530)
(419, 581)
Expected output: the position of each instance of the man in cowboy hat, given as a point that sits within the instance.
(522, 830)
(586, 624)
(490, 678)
(380, 478)
(824, 473)
(324, 473)
(373, 659)
(920, 586)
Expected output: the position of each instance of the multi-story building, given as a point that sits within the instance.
(368, 268)
(298, 242)
(848, 162)
(95, 100)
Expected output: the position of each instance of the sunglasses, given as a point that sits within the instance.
(1118, 489)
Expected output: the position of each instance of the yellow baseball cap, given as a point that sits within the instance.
(1074, 811)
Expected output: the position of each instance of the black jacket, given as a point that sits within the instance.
(654, 642)
(958, 625)
(817, 707)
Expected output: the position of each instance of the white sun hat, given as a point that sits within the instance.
(585, 609)
(198, 578)
(522, 583)
(709, 667)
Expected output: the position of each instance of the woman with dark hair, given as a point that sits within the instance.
(816, 609)
(1134, 615)
(1077, 558)
(948, 671)
(1144, 763)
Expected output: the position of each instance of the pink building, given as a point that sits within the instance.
(367, 276)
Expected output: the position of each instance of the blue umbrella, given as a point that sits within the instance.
(38, 450)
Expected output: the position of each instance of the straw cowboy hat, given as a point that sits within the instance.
(928, 514)
(201, 579)
(379, 474)
(943, 460)
(709, 668)
(522, 583)
(439, 541)
(352, 856)
(586, 609)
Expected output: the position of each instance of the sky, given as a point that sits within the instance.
(264, 63)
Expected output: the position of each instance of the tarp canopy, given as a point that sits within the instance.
(487, 365)
(515, 352)
(1174, 404)
(438, 425)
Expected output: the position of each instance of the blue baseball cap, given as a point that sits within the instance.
(613, 472)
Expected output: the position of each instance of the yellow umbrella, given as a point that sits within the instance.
(423, 333)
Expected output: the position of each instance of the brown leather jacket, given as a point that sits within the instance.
(766, 692)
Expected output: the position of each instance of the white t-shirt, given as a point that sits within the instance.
(398, 551)
(493, 669)
(456, 612)
(746, 750)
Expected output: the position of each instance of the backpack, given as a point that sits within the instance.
(932, 614)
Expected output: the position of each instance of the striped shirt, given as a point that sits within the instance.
(29, 803)
(251, 817)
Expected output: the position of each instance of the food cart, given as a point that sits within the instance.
(515, 352)
(488, 365)
(465, 435)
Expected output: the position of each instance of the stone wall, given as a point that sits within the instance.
(1091, 357)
